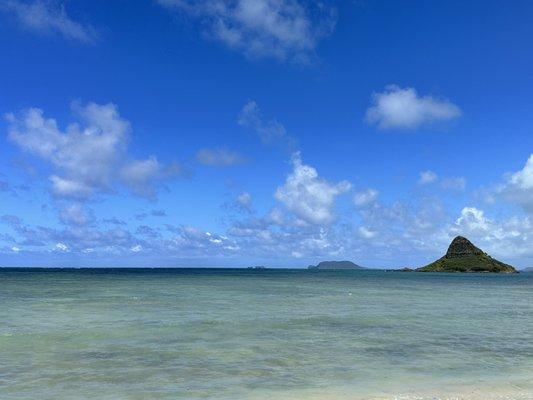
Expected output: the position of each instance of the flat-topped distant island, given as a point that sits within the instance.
(333, 265)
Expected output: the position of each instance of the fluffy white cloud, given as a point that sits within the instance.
(219, 157)
(308, 196)
(427, 177)
(140, 175)
(523, 179)
(62, 187)
(472, 219)
(137, 248)
(61, 247)
(48, 17)
(365, 197)
(507, 237)
(270, 132)
(404, 108)
(282, 29)
(89, 156)
(518, 187)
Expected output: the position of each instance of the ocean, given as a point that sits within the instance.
(264, 334)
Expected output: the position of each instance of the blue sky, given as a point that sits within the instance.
(275, 132)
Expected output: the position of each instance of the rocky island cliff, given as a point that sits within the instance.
(463, 256)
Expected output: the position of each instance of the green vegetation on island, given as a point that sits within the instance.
(463, 256)
(336, 265)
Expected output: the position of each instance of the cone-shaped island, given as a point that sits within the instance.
(463, 256)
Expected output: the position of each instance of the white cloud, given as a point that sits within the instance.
(244, 200)
(281, 29)
(86, 155)
(405, 109)
(523, 179)
(365, 197)
(270, 132)
(61, 247)
(403, 227)
(89, 156)
(137, 248)
(70, 188)
(507, 237)
(281, 238)
(387, 235)
(73, 214)
(308, 196)
(472, 219)
(140, 175)
(276, 216)
(366, 233)
(47, 17)
(197, 241)
(15, 249)
(454, 183)
(427, 177)
(518, 187)
(73, 238)
(219, 157)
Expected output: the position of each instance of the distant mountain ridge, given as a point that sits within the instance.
(528, 269)
(463, 256)
(335, 265)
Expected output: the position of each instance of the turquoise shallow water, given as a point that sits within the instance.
(264, 334)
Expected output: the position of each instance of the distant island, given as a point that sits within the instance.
(335, 265)
(528, 269)
(463, 256)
